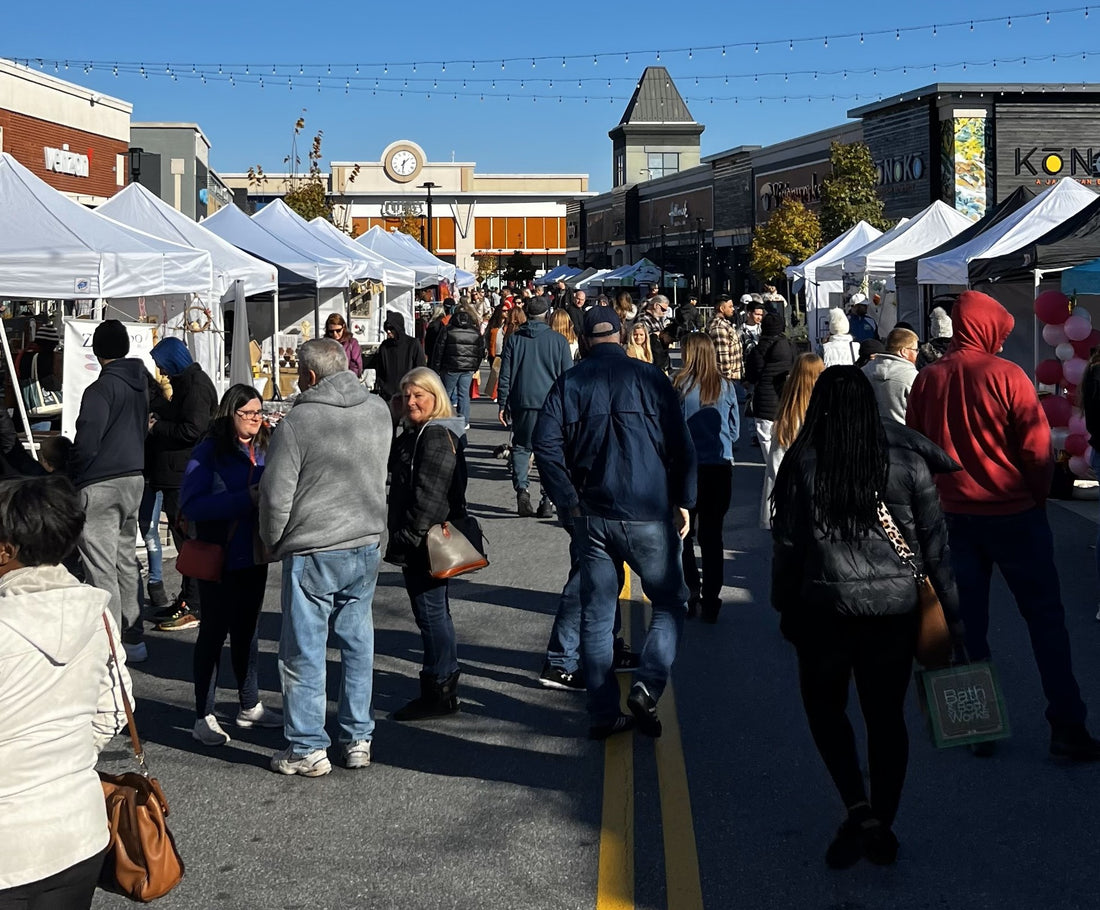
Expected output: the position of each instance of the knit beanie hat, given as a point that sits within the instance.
(940, 323)
(773, 324)
(838, 322)
(172, 356)
(110, 341)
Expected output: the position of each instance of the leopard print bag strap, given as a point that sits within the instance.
(894, 535)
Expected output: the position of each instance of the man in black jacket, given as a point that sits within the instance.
(179, 424)
(105, 464)
(394, 358)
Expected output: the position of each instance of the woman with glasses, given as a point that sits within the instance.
(220, 494)
(337, 329)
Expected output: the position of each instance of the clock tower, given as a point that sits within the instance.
(403, 160)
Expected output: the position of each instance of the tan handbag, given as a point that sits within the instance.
(142, 861)
(933, 637)
(451, 553)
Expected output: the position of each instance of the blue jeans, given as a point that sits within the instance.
(336, 586)
(458, 388)
(652, 549)
(432, 611)
(564, 648)
(523, 431)
(1022, 547)
(148, 524)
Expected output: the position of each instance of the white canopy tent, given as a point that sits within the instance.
(399, 281)
(584, 283)
(464, 279)
(304, 278)
(136, 207)
(388, 245)
(420, 253)
(641, 272)
(819, 292)
(1033, 220)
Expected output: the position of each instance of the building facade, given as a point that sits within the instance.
(472, 214)
(173, 162)
(73, 138)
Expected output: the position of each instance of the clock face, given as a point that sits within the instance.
(403, 162)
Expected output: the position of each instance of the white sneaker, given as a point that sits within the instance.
(136, 653)
(259, 716)
(1098, 614)
(357, 754)
(315, 764)
(209, 732)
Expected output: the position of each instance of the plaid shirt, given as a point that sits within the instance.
(728, 345)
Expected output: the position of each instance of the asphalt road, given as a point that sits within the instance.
(503, 805)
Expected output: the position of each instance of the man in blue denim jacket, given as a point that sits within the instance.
(615, 455)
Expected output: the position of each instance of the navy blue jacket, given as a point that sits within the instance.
(533, 357)
(111, 426)
(611, 439)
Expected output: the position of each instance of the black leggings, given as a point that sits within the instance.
(231, 608)
(70, 889)
(878, 652)
(715, 487)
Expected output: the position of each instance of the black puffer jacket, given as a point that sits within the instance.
(767, 366)
(180, 424)
(460, 347)
(816, 581)
(394, 358)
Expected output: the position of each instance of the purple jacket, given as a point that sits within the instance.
(355, 355)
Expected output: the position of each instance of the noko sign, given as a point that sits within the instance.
(62, 161)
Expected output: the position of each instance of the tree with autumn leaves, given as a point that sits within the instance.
(791, 234)
(848, 194)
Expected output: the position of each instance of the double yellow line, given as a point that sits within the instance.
(615, 885)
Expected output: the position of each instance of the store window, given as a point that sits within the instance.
(662, 163)
(620, 167)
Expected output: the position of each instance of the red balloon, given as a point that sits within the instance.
(1094, 337)
(1049, 372)
(1052, 307)
(1057, 409)
(1076, 444)
(1083, 349)
(1071, 390)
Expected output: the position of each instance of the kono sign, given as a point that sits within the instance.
(1055, 160)
(62, 161)
(899, 169)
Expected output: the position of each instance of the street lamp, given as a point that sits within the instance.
(662, 258)
(135, 164)
(702, 239)
(429, 186)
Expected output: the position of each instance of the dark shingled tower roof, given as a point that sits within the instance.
(656, 100)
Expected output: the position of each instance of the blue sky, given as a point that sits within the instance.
(249, 125)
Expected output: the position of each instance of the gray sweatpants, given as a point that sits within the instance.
(108, 544)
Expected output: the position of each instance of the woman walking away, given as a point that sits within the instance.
(841, 349)
(1090, 402)
(638, 344)
(220, 492)
(337, 329)
(847, 602)
(766, 366)
(494, 344)
(428, 487)
(61, 701)
(456, 357)
(793, 402)
(563, 325)
(709, 405)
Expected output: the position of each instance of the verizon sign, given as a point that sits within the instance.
(62, 161)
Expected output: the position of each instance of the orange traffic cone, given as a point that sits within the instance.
(474, 393)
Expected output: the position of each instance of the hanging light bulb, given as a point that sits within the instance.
(261, 81)
(658, 55)
(563, 63)
(897, 34)
(756, 48)
(301, 69)
(595, 62)
(1048, 18)
(933, 31)
(690, 55)
(1010, 22)
(826, 40)
(414, 67)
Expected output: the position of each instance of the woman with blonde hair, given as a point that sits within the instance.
(626, 311)
(428, 487)
(793, 401)
(709, 404)
(637, 345)
(561, 323)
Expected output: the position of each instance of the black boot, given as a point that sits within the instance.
(157, 598)
(523, 505)
(437, 699)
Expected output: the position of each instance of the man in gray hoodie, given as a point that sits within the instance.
(322, 511)
(892, 374)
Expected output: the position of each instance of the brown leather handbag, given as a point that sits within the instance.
(933, 636)
(142, 861)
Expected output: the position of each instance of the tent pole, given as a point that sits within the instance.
(1035, 330)
(19, 403)
(317, 312)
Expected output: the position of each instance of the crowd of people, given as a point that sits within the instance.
(633, 415)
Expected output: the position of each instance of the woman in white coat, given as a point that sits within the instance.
(60, 702)
(841, 349)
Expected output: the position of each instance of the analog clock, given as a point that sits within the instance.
(403, 162)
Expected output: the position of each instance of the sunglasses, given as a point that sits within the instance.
(250, 415)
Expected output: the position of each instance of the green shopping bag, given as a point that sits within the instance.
(963, 704)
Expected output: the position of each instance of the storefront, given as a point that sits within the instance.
(73, 138)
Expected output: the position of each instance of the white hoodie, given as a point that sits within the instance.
(60, 703)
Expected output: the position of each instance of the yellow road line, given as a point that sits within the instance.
(615, 882)
(682, 882)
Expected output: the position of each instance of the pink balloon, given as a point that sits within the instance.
(1057, 409)
(1076, 444)
(1080, 467)
(1082, 312)
(1049, 371)
(1077, 328)
(1077, 423)
(1054, 335)
(1052, 307)
(1074, 370)
(1058, 437)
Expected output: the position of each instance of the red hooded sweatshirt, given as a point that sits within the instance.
(984, 412)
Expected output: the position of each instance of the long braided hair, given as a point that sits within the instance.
(843, 429)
